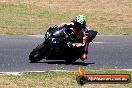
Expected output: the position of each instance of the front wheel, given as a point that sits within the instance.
(36, 55)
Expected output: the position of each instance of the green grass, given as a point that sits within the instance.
(22, 20)
(108, 17)
(56, 80)
(27, 20)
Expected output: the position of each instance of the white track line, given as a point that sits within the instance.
(19, 73)
(98, 42)
(38, 36)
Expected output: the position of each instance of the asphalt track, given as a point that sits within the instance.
(107, 52)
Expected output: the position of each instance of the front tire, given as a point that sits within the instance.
(36, 55)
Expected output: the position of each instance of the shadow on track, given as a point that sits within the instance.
(63, 62)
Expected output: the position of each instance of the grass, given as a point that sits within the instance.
(56, 80)
(36, 16)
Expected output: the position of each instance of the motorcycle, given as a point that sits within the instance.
(56, 46)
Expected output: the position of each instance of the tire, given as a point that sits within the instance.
(71, 56)
(71, 60)
(36, 55)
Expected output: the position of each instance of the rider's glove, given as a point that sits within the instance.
(71, 45)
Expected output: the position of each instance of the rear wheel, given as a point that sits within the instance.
(71, 59)
(36, 55)
(71, 56)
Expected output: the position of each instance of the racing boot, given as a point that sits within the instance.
(84, 56)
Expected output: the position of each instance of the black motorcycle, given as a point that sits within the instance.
(56, 46)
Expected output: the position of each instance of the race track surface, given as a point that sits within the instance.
(107, 52)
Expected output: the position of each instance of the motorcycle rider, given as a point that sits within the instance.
(82, 34)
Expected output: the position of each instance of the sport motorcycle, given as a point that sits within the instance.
(56, 46)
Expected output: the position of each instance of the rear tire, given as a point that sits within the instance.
(36, 55)
(70, 60)
(71, 56)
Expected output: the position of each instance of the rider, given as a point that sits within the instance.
(83, 34)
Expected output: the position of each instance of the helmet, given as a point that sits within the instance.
(80, 20)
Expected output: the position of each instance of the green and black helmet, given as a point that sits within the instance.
(80, 20)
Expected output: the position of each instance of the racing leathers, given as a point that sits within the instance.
(80, 37)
